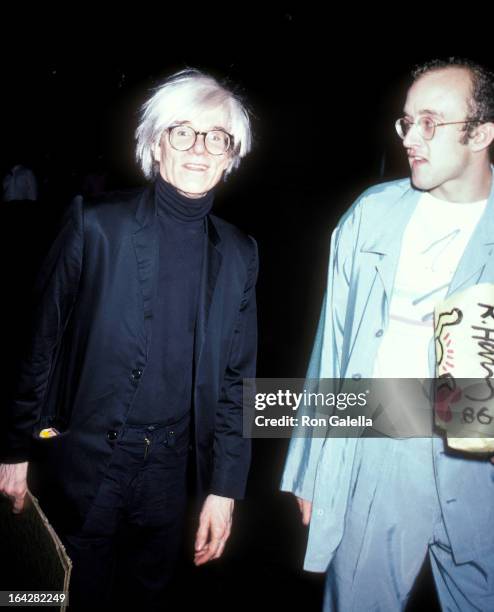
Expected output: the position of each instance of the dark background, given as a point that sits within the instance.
(324, 91)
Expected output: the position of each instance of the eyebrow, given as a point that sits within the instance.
(426, 111)
(215, 127)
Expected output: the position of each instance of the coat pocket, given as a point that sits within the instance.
(50, 456)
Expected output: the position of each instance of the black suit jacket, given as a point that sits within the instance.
(90, 346)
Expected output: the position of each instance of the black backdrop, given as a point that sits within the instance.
(325, 92)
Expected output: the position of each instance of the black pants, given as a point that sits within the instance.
(132, 534)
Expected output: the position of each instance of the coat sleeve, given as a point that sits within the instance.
(327, 356)
(55, 292)
(231, 451)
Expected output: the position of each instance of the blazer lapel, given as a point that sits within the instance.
(145, 242)
(211, 264)
(385, 245)
(478, 251)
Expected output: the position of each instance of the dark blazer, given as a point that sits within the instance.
(90, 345)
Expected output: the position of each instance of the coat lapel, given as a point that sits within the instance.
(385, 245)
(211, 264)
(145, 240)
(478, 251)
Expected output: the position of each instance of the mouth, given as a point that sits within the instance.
(196, 167)
(416, 161)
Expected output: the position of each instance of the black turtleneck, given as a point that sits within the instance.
(180, 207)
(165, 389)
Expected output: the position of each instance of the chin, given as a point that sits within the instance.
(190, 189)
(192, 192)
(195, 187)
(421, 184)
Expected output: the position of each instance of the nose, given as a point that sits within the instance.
(412, 137)
(199, 146)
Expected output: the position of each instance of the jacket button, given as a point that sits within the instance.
(136, 374)
(111, 435)
(379, 333)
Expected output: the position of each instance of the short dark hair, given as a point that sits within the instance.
(481, 102)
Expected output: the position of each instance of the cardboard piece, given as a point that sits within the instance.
(464, 343)
(33, 557)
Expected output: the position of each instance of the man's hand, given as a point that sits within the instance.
(215, 522)
(13, 483)
(305, 508)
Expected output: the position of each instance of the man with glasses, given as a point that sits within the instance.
(144, 330)
(378, 506)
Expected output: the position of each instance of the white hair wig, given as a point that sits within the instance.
(182, 97)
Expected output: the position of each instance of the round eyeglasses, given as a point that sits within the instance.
(183, 138)
(426, 126)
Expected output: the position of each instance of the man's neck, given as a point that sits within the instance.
(472, 186)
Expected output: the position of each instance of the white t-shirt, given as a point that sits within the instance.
(431, 248)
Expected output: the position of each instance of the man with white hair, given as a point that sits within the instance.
(144, 328)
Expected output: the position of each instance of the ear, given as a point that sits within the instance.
(482, 136)
(157, 150)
